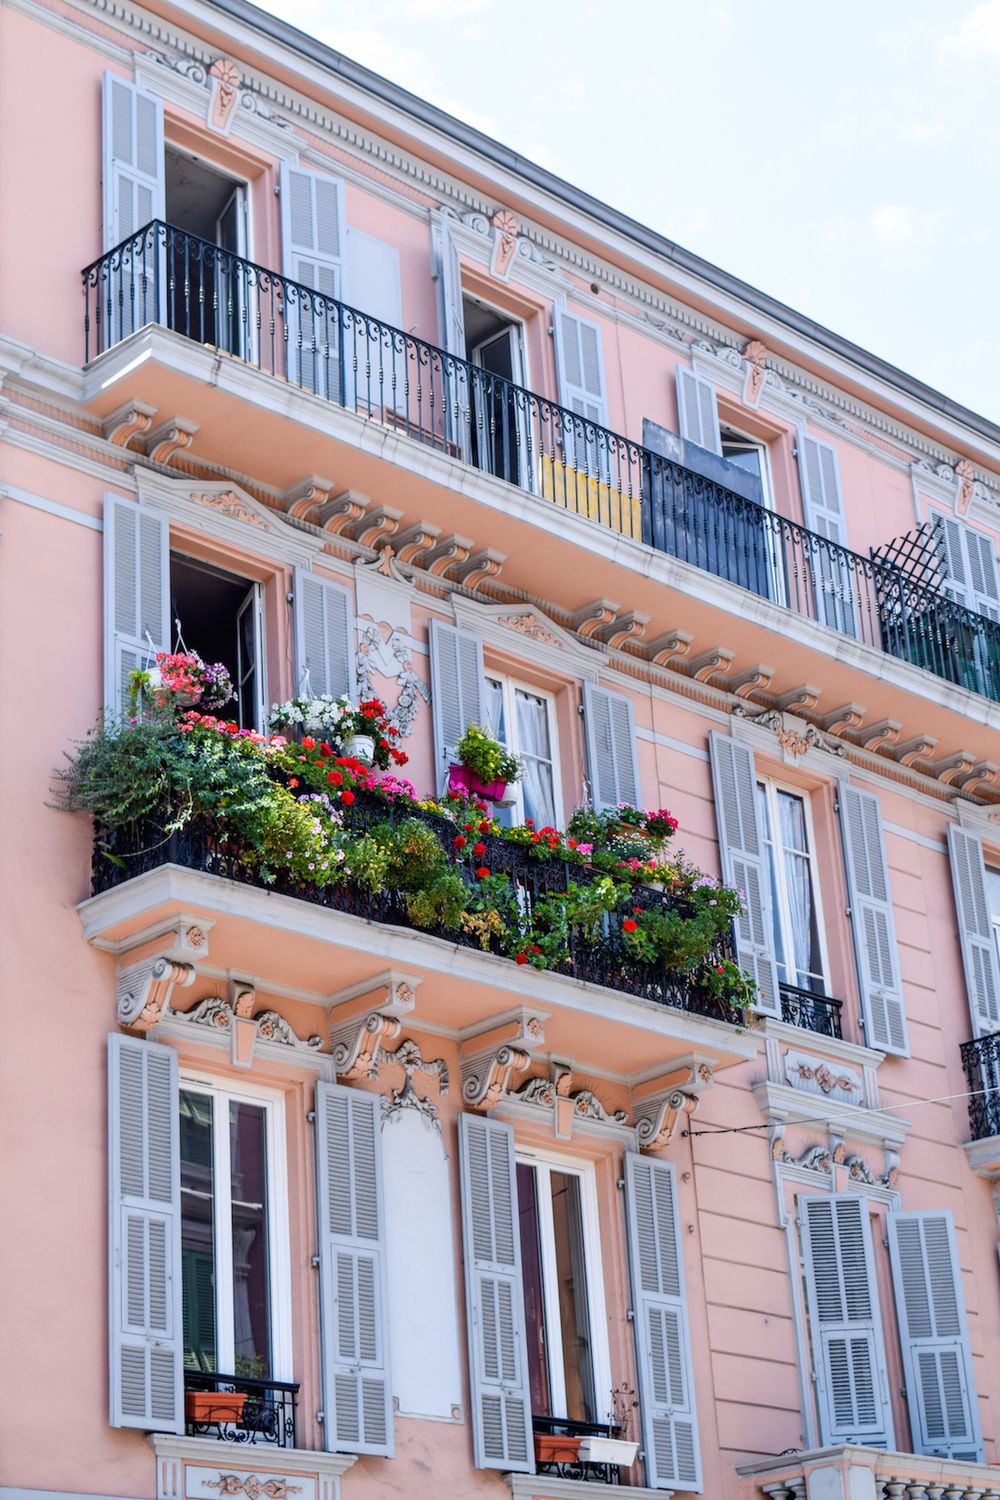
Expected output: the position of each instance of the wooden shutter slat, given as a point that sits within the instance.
(498, 1360)
(697, 410)
(146, 1342)
(458, 689)
(609, 726)
(662, 1336)
(351, 1248)
(937, 1359)
(136, 593)
(324, 637)
(872, 924)
(975, 926)
(312, 254)
(744, 864)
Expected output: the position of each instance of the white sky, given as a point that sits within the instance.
(842, 156)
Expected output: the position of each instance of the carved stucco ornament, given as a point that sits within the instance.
(408, 1056)
(224, 79)
(658, 1115)
(355, 1046)
(556, 1093)
(505, 230)
(145, 988)
(485, 1078)
(755, 355)
(252, 1486)
(233, 1016)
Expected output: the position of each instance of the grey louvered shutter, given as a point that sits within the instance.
(611, 747)
(352, 1272)
(133, 165)
(872, 924)
(458, 689)
(744, 864)
(580, 364)
(136, 593)
(975, 928)
(970, 560)
(662, 1335)
(494, 1295)
(697, 410)
(823, 509)
(845, 1326)
(313, 247)
(451, 314)
(324, 637)
(937, 1360)
(144, 1236)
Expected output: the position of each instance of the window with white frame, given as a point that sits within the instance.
(234, 1241)
(568, 1367)
(993, 901)
(523, 720)
(795, 902)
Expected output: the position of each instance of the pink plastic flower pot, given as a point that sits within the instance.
(468, 784)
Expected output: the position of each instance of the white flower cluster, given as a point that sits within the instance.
(324, 716)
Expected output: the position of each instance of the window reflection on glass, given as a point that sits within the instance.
(251, 1272)
(571, 1281)
(197, 1232)
(534, 1294)
(793, 892)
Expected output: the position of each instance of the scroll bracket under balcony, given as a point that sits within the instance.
(153, 965)
(490, 1058)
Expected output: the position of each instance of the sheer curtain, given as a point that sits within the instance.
(799, 885)
(533, 743)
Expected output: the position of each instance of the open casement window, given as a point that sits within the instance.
(743, 854)
(845, 1323)
(133, 195)
(494, 1293)
(324, 637)
(313, 233)
(523, 719)
(937, 1360)
(795, 905)
(872, 925)
(453, 383)
(971, 563)
(136, 594)
(976, 930)
(458, 690)
(580, 367)
(611, 747)
(660, 1320)
(835, 583)
(352, 1272)
(144, 1240)
(697, 410)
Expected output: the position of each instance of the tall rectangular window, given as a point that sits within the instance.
(560, 1259)
(233, 1287)
(795, 907)
(523, 720)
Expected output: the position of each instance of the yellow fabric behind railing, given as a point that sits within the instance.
(591, 498)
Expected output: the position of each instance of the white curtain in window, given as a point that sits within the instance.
(799, 886)
(533, 742)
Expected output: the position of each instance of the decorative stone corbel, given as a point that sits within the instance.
(797, 699)
(144, 989)
(130, 420)
(657, 1116)
(590, 617)
(710, 663)
(877, 736)
(411, 544)
(355, 1045)
(301, 499)
(342, 511)
(754, 679)
(847, 716)
(966, 476)
(627, 627)
(392, 992)
(485, 563)
(912, 750)
(755, 355)
(950, 767)
(377, 524)
(224, 83)
(675, 645)
(173, 436)
(447, 554)
(981, 775)
(486, 1076)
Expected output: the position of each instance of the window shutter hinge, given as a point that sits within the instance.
(630, 1314)
(321, 1416)
(621, 1184)
(314, 1260)
(311, 1116)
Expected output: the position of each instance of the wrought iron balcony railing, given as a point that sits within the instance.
(122, 853)
(817, 1013)
(301, 335)
(981, 1061)
(562, 1459)
(265, 1414)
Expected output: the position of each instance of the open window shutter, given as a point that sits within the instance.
(145, 1236)
(744, 864)
(975, 926)
(950, 534)
(697, 410)
(352, 1271)
(937, 1360)
(498, 1357)
(313, 231)
(662, 1336)
(611, 747)
(136, 593)
(971, 566)
(324, 637)
(580, 364)
(823, 510)
(133, 181)
(458, 688)
(374, 288)
(451, 315)
(373, 281)
(844, 1320)
(872, 922)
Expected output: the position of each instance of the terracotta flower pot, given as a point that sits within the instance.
(214, 1406)
(556, 1448)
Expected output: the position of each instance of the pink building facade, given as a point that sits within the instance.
(322, 383)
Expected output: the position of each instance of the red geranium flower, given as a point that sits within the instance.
(347, 798)
(293, 781)
(535, 948)
(335, 778)
(629, 925)
(308, 743)
(482, 872)
(459, 841)
(521, 958)
(478, 849)
(484, 826)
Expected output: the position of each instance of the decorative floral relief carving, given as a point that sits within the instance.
(252, 1487)
(218, 1013)
(531, 627)
(545, 1091)
(230, 504)
(814, 1075)
(392, 658)
(505, 228)
(409, 1058)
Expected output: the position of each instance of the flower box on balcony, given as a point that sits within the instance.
(608, 1450)
(214, 1406)
(557, 1448)
(468, 784)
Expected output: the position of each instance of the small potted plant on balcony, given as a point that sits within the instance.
(484, 768)
(181, 679)
(557, 1447)
(204, 1407)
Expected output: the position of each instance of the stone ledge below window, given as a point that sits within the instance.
(547, 1487)
(206, 1469)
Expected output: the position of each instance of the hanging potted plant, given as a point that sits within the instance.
(484, 768)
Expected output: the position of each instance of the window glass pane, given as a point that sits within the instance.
(574, 1321)
(535, 746)
(993, 893)
(534, 1301)
(494, 709)
(804, 966)
(773, 862)
(197, 1232)
(745, 458)
(247, 663)
(251, 1272)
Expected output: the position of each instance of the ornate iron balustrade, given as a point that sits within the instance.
(981, 1061)
(565, 1462)
(817, 1013)
(267, 1414)
(164, 275)
(120, 854)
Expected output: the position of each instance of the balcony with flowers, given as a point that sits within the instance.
(312, 859)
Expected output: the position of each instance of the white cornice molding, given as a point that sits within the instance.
(778, 1101)
(515, 626)
(228, 513)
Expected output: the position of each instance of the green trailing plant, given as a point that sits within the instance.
(482, 754)
(728, 983)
